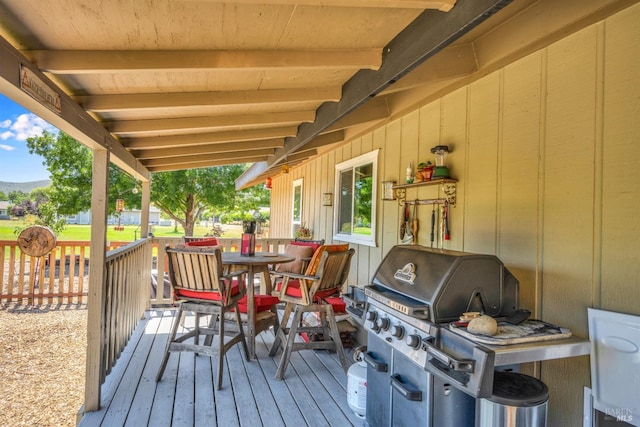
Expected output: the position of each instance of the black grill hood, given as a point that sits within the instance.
(447, 282)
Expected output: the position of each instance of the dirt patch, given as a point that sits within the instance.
(42, 371)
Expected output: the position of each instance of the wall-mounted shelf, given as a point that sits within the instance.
(449, 188)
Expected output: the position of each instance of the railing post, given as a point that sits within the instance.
(96, 298)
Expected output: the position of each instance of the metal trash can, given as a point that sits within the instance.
(518, 400)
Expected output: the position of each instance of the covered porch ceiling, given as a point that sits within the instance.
(179, 84)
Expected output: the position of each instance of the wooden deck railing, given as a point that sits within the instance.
(126, 282)
(161, 293)
(61, 277)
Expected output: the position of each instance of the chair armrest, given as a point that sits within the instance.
(298, 276)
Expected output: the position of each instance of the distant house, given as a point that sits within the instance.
(127, 217)
(4, 210)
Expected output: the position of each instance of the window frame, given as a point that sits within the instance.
(296, 223)
(352, 164)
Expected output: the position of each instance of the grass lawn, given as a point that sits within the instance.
(83, 232)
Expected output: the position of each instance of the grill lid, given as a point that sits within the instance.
(449, 282)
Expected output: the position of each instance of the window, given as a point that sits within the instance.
(355, 192)
(296, 206)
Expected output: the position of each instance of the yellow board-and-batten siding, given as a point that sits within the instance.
(546, 151)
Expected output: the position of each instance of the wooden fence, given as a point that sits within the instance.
(62, 276)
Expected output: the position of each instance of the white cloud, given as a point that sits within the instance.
(28, 125)
(6, 135)
(6, 147)
(5, 124)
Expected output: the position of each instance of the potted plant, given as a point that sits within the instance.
(304, 232)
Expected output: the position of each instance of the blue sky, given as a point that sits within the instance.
(16, 125)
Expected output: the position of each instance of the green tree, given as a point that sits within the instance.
(70, 166)
(17, 196)
(181, 195)
(184, 195)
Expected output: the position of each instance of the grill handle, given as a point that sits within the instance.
(399, 385)
(374, 362)
(460, 365)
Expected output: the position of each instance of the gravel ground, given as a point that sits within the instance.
(42, 364)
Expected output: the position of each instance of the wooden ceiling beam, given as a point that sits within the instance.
(127, 61)
(443, 5)
(142, 101)
(193, 123)
(195, 150)
(205, 164)
(274, 135)
(204, 156)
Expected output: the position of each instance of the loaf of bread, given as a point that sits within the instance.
(483, 325)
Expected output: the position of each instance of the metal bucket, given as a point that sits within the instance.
(518, 400)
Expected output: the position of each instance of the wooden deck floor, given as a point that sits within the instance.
(313, 392)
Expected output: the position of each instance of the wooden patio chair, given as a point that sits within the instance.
(309, 297)
(200, 286)
(302, 251)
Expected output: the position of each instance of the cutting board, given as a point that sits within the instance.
(528, 331)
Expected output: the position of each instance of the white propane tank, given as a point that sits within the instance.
(357, 383)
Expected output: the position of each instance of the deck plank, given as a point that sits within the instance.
(112, 381)
(162, 408)
(246, 402)
(183, 407)
(333, 387)
(158, 328)
(313, 392)
(289, 413)
(331, 411)
(205, 413)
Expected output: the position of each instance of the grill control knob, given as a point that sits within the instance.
(383, 323)
(372, 316)
(397, 331)
(414, 341)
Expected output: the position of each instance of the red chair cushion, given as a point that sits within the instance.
(312, 245)
(262, 303)
(204, 242)
(339, 306)
(293, 290)
(208, 295)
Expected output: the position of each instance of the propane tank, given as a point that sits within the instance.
(357, 383)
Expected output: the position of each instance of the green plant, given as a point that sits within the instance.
(304, 232)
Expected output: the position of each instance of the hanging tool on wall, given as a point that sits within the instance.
(415, 223)
(433, 223)
(446, 221)
(407, 237)
(403, 222)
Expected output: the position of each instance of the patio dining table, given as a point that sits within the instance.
(255, 264)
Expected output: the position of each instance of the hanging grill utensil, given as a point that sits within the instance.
(415, 223)
(407, 237)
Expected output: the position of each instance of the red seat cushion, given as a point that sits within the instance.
(312, 245)
(293, 290)
(208, 295)
(339, 306)
(204, 242)
(262, 303)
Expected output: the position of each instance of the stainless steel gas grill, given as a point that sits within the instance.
(419, 370)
